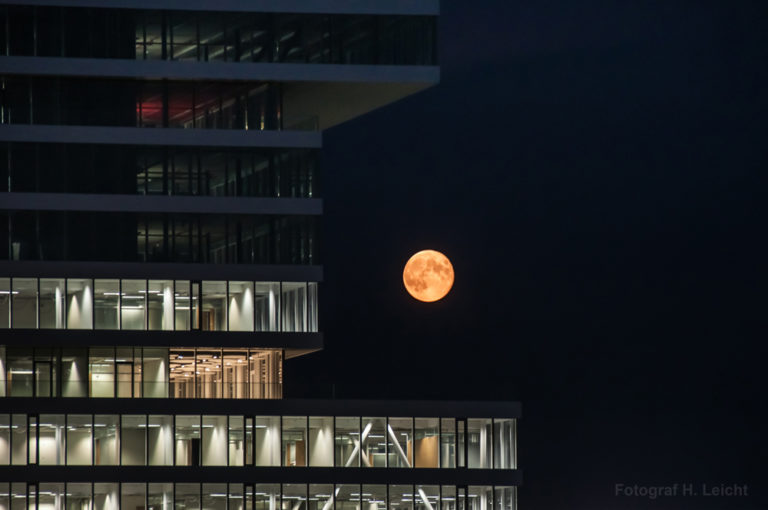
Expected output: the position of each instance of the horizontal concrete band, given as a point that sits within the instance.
(286, 407)
(230, 71)
(248, 474)
(161, 270)
(408, 7)
(95, 338)
(159, 204)
(160, 136)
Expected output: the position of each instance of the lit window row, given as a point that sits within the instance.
(257, 496)
(136, 372)
(237, 440)
(164, 305)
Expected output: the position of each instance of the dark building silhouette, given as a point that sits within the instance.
(160, 262)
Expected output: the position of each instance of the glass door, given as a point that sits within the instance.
(43, 378)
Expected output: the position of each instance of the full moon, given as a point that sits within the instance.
(428, 276)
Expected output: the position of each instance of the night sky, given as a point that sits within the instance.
(596, 171)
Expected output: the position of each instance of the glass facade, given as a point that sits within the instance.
(198, 440)
(159, 305)
(252, 496)
(218, 36)
(138, 237)
(79, 168)
(141, 372)
(69, 101)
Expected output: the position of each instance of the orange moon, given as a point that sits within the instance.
(428, 276)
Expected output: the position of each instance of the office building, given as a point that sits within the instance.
(159, 263)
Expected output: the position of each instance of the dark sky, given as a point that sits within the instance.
(596, 171)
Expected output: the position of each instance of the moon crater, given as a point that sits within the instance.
(428, 276)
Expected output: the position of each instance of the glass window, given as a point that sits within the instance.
(248, 442)
(321, 496)
(312, 307)
(106, 303)
(160, 305)
(45, 372)
(105, 496)
(24, 304)
(215, 441)
(321, 441)
(479, 497)
(374, 442)
(399, 442)
(265, 373)
(266, 496)
(132, 304)
(79, 496)
(294, 496)
(52, 303)
(348, 441)
(5, 303)
(447, 442)
(19, 497)
(19, 439)
(160, 440)
(461, 461)
(425, 445)
(504, 443)
(155, 372)
(79, 440)
(375, 497)
(267, 305)
(188, 440)
(5, 439)
(448, 497)
(20, 373)
(133, 440)
(235, 373)
(208, 373)
(237, 497)
(159, 496)
(267, 445)
(2, 371)
(182, 373)
(79, 303)
(214, 310)
(241, 303)
(479, 443)
(74, 372)
(128, 372)
(294, 441)
(505, 498)
(294, 301)
(101, 367)
(132, 496)
(215, 496)
(236, 441)
(426, 497)
(401, 497)
(50, 496)
(106, 440)
(347, 497)
(183, 306)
